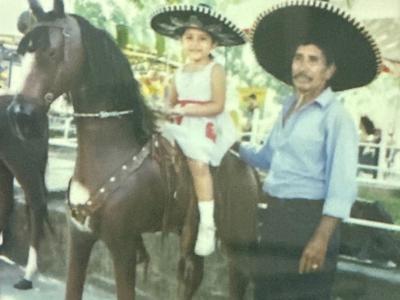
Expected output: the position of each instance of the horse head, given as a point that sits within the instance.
(53, 56)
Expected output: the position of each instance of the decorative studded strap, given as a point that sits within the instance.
(81, 211)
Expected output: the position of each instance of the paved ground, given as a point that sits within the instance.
(59, 169)
(45, 288)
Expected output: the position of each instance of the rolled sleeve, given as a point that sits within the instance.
(258, 158)
(342, 156)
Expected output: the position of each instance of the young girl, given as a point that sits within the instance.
(202, 129)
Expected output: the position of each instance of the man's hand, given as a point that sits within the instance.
(313, 257)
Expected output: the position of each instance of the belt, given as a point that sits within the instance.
(275, 201)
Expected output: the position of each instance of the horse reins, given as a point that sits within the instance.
(103, 114)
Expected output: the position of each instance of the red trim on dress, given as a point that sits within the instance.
(210, 127)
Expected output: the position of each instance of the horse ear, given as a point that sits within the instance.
(59, 8)
(37, 9)
(25, 22)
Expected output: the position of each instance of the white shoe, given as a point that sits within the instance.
(205, 243)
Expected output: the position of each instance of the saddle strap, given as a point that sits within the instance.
(81, 211)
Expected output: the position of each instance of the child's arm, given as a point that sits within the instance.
(172, 98)
(217, 103)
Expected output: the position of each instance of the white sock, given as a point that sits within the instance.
(206, 209)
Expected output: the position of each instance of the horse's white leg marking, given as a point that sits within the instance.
(31, 266)
(79, 194)
(1, 238)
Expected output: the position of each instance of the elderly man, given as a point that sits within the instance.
(311, 152)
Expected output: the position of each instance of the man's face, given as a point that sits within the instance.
(310, 71)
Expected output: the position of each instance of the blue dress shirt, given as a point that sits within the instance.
(312, 156)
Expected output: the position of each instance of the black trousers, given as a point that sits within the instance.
(284, 229)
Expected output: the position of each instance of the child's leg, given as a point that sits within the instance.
(202, 180)
(203, 186)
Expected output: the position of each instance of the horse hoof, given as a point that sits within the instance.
(23, 284)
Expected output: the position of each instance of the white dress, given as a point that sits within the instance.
(206, 139)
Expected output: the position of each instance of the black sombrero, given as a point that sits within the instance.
(278, 31)
(172, 20)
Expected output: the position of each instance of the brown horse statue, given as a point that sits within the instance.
(119, 190)
(26, 161)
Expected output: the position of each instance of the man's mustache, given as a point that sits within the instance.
(301, 75)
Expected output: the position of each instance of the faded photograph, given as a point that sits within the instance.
(205, 150)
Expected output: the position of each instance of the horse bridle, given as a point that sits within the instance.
(64, 25)
(61, 24)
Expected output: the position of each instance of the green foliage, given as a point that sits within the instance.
(138, 3)
(91, 10)
(251, 74)
(160, 44)
(117, 15)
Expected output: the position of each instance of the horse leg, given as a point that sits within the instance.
(238, 281)
(80, 247)
(35, 197)
(123, 252)
(191, 266)
(190, 275)
(6, 198)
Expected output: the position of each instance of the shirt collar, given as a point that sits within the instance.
(323, 99)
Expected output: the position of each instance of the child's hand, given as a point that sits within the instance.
(177, 110)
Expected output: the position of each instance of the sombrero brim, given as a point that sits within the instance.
(171, 20)
(278, 31)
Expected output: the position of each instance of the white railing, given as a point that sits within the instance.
(64, 125)
(373, 224)
(64, 130)
(387, 169)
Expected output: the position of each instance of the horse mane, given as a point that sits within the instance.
(108, 74)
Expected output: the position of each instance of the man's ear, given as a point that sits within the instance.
(214, 45)
(330, 72)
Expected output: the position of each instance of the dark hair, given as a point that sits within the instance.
(180, 31)
(368, 125)
(322, 45)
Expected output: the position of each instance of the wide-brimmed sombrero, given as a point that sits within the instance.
(172, 20)
(278, 31)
